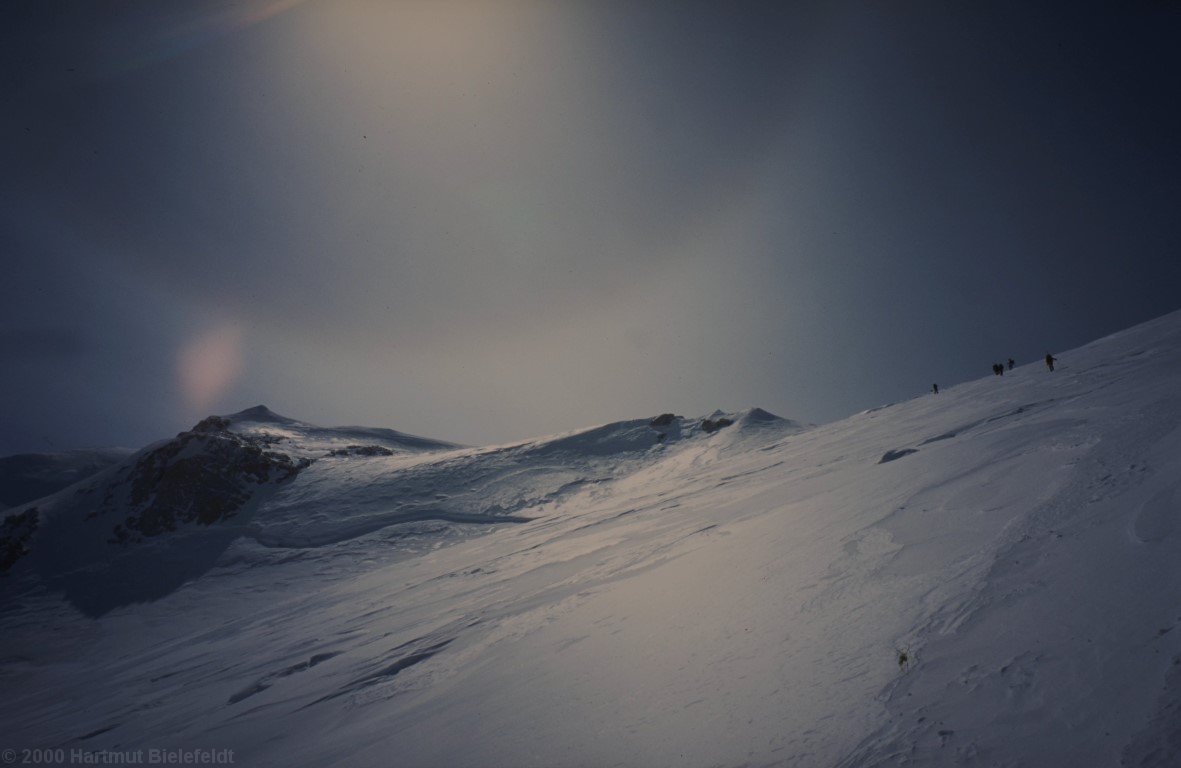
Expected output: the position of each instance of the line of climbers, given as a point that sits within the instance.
(998, 369)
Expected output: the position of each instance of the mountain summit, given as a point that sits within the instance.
(259, 414)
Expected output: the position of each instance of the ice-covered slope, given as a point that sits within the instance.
(670, 595)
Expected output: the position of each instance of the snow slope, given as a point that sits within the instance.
(662, 595)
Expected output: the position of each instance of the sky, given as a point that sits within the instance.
(488, 220)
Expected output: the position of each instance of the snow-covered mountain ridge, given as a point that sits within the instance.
(652, 592)
(288, 484)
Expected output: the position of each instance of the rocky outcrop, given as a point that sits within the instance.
(663, 420)
(15, 532)
(202, 476)
(713, 425)
(212, 424)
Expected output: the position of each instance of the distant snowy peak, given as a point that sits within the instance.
(28, 476)
(260, 414)
(91, 540)
(207, 475)
(757, 417)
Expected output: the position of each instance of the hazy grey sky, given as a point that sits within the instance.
(482, 221)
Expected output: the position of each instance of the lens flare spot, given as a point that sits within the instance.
(208, 364)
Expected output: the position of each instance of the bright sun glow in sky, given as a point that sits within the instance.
(208, 365)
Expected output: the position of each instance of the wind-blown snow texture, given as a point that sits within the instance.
(650, 595)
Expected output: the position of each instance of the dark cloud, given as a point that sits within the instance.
(488, 220)
(33, 343)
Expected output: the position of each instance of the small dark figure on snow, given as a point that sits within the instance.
(1011, 363)
(1050, 360)
(994, 370)
(934, 389)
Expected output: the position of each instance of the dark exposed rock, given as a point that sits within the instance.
(361, 450)
(212, 424)
(202, 476)
(713, 425)
(663, 420)
(15, 532)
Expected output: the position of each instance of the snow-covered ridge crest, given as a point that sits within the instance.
(268, 477)
(638, 434)
(310, 439)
